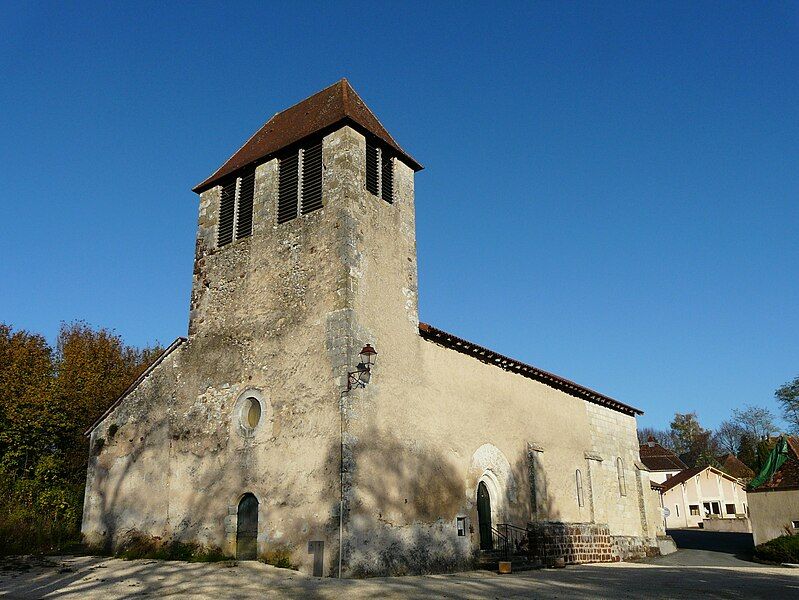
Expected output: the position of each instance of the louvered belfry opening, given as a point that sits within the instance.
(300, 182)
(379, 172)
(372, 162)
(244, 210)
(288, 179)
(311, 178)
(387, 178)
(227, 213)
(235, 209)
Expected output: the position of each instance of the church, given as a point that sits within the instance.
(310, 412)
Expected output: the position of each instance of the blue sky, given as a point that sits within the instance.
(610, 192)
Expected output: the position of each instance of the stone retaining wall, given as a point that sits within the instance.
(584, 543)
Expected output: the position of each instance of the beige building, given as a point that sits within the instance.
(260, 432)
(702, 494)
(774, 505)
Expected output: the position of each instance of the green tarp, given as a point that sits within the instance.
(774, 461)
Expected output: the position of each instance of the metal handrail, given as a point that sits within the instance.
(510, 539)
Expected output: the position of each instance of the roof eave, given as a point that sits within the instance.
(508, 364)
(215, 179)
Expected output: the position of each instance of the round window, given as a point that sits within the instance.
(251, 413)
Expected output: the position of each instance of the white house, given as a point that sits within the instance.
(704, 494)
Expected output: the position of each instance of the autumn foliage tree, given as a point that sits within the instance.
(48, 398)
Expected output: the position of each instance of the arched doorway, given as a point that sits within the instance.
(484, 516)
(247, 528)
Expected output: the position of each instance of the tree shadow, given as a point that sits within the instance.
(402, 502)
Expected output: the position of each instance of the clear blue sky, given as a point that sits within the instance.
(610, 193)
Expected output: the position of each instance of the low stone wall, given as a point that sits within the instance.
(737, 525)
(584, 543)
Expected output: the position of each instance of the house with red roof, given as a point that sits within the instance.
(774, 504)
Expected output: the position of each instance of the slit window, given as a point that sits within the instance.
(300, 182)
(379, 172)
(235, 209)
(620, 473)
(579, 480)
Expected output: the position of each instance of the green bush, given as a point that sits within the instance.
(784, 549)
(38, 516)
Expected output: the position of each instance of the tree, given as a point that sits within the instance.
(685, 430)
(747, 451)
(661, 436)
(728, 436)
(757, 421)
(48, 398)
(93, 367)
(788, 396)
(695, 445)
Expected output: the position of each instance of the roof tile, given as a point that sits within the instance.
(336, 104)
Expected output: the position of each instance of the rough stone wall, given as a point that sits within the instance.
(574, 542)
(282, 315)
(270, 317)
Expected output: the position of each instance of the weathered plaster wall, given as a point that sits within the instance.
(414, 431)
(772, 512)
(283, 313)
(268, 313)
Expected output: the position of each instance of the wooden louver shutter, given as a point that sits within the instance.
(227, 211)
(311, 179)
(372, 159)
(387, 178)
(244, 214)
(287, 188)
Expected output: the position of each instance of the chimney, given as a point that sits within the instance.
(650, 442)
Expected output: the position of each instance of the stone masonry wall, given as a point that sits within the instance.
(583, 543)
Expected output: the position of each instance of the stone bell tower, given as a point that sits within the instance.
(309, 223)
(305, 251)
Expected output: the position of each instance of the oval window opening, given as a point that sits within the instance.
(253, 414)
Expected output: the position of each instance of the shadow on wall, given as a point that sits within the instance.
(402, 499)
(126, 508)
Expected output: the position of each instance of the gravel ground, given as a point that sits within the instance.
(676, 576)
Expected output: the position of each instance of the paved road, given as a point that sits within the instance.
(91, 578)
(716, 541)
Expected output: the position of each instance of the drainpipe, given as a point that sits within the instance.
(341, 480)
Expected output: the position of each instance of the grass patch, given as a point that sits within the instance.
(280, 557)
(784, 549)
(138, 545)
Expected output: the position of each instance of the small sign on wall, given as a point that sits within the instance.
(460, 524)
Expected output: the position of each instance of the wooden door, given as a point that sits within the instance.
(484, 517)
(247, 528)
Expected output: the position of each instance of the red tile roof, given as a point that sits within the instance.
(787, 476)
(658, 458)
(732, 465)
(485, 355)
(334, 105)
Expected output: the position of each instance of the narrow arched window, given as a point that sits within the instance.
(620, 473)
(579, 480)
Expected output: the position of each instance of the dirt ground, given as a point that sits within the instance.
(87, 577)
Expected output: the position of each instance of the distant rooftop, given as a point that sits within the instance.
(334, 105)
(657, 458)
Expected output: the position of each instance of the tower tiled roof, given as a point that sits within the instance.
(334, 105)
(657, 458)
